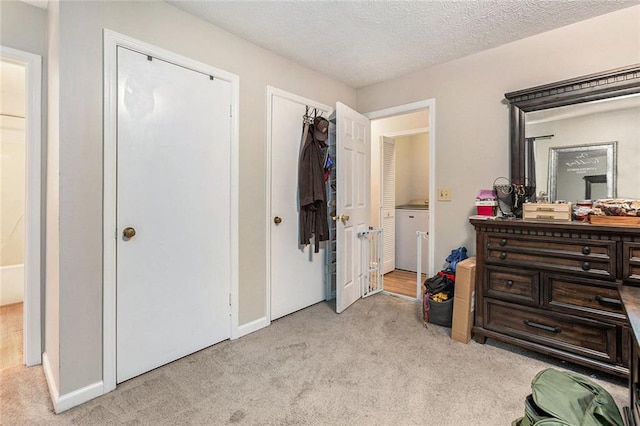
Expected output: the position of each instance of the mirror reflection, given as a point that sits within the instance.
(588, 150)
(587, 170)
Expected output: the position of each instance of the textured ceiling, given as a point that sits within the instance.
(364, 42)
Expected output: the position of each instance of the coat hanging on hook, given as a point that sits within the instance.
(311, 181)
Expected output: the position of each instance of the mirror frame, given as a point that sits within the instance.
(603, 85)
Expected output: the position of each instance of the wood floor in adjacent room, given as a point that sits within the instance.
(401, 282)
(10, 335)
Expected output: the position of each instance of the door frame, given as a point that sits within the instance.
(430, 106)
(270, 94)
(394, 135)
(32, 308)
(112, 40)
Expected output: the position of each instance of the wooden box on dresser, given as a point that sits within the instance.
(553, 288)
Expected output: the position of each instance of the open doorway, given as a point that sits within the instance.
(20, 204)
(400, 197)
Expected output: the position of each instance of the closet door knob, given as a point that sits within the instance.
(344, 218)
(277, 220)
(128, 232)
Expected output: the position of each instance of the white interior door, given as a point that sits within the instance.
(173, 188)
(388, 204)
(297, 273)
(353, 169)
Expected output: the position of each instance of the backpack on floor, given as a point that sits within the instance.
(566, 399)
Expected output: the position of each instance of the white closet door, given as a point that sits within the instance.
(297, 273)
(173, 183)
(388, 204)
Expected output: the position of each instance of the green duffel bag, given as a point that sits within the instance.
(566, 399)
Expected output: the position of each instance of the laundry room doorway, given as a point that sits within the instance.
(21, 208)
(402, 184)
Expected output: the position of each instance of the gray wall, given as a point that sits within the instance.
(23, 27)
(621, 126)
(472, 118)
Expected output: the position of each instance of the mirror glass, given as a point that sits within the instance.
(588, 150)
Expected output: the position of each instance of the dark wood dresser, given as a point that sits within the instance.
(630, 297)
(553, 288)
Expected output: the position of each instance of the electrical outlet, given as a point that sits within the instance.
(444, 194)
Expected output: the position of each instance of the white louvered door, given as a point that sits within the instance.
(388, 204)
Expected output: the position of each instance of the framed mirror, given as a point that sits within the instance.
(582, 172)
(586, 111)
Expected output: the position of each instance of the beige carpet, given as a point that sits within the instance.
(374, 364)
(11, 343)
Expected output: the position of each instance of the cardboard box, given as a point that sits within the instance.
(464, 300)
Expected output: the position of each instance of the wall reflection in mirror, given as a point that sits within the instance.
(587, 150)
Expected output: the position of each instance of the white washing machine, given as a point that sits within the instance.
(408, 222)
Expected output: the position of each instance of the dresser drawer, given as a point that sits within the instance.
(591, 338)
(631, 262)
(581, 296)
(590, 258)
(517, 285)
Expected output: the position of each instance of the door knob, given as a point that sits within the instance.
(128, 232)
(344, 218)
(277, 220)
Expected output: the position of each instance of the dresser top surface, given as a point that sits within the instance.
(630, 297)
(491, 222)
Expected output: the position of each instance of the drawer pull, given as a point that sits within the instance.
(503, 242)
(586, 250)
(586, 266)
(541, 326)
(509, 283)
(503, 256)
(608, 300)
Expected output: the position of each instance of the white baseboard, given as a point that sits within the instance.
(252, 326)
(79, 396)
(69, 400)
(12, 279)
(48, 374)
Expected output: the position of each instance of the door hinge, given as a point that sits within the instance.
(230, 110)
(229, 299)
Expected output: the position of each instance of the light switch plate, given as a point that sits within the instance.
(444, 194)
